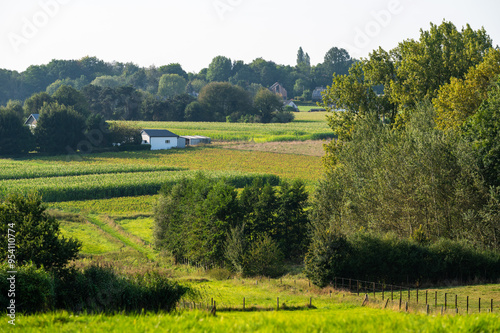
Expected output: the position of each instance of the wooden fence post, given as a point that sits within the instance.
(243, 303)
(277, 303)
(479, 304)
(373, 290)
(426, 297)
(427, 309)
(392, 295)
(445, 303)
(456, 301)
(467, 304)
(492, 305)
(417, 295)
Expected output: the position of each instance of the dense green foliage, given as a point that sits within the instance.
(205, 221)
(15, 138)
(92, 290)
(36, 235)
(412, 72)
(398, 180)
(392, 260)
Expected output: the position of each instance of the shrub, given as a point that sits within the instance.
(264, 257)
(34, 289)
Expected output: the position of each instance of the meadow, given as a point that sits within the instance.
(306, 126)
(106, 200)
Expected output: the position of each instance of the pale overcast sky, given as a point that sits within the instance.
(192, 32)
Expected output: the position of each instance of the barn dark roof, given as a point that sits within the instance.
(155, 133)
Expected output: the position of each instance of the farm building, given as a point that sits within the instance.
(196, 140)
(279, 89)
(292, 104)
(163, 139)
(160, 139)
(316, 94)
(32, 120)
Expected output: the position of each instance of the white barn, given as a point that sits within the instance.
(161, 139)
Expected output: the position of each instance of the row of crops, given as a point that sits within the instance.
(103, 186)
(19, 169)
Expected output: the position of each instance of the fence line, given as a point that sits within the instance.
(416, 296)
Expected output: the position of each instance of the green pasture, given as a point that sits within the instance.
(306, 126)
(334, 318)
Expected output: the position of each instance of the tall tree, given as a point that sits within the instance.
(219, 69)
(60, 129)
(15, 138)
(171, 85)
(38, 235)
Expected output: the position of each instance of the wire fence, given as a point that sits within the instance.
(430, 300)
(380, 295)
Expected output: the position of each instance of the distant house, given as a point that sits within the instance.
(316, 95)
(32, 120)
(161, 139)
(291, 104)
(278, 89)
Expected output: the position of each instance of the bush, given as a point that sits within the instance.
(100, 289)
(34, 289)
(263, 258)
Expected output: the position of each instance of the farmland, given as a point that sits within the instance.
(106, 201)
(307, 126)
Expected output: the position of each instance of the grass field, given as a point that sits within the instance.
(307, 126)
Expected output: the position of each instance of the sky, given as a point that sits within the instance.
(193, 32)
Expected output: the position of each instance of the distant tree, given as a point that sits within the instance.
(33, 104)
(171, 85)
(69, 96)
(124, 134)
(300, 56)
(15, 138)
(16, 107)
(196, 85)
(266, 103)
(173, 68)
(338, 61)
(219, 69)
(223, 100)
(59, 129)
(195, 112)
(38, 237)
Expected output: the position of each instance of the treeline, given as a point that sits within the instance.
(170, 79)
